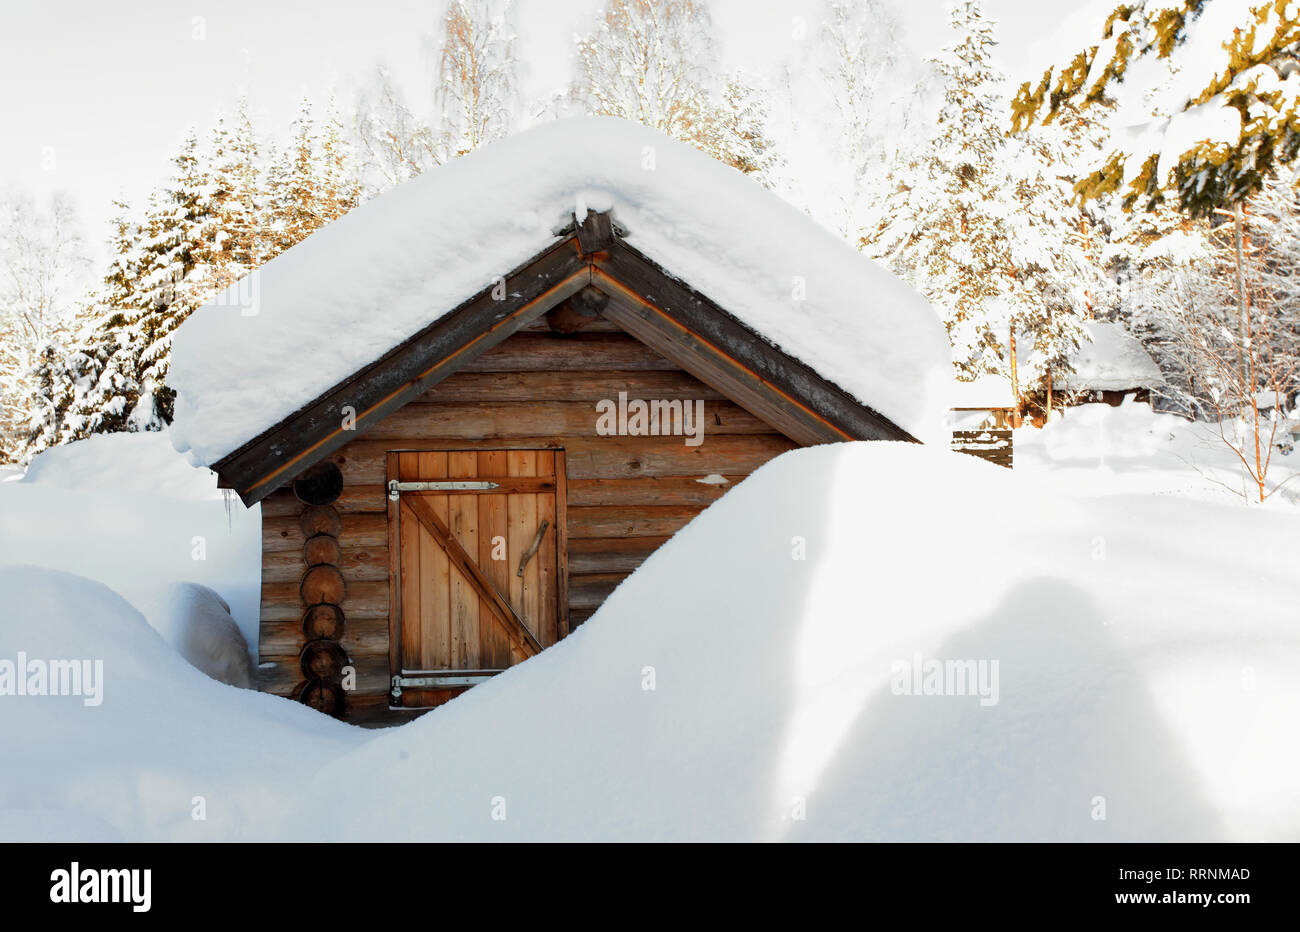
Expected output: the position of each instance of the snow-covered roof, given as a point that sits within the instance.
(989, 391)
(1113, 361)
(338, 301)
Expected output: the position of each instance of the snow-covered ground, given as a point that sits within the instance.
(1129, 450)
(1132, 655)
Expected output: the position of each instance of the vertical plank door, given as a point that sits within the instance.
(477, 571)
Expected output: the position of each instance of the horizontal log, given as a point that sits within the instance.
(372, 711)
(598, 457)
(590, 387)
(355, 498)
(487, 420)
(629, 521)
(589, 592)
(662, 490)
(589, 325)
(283, 675)
(281, 601)
(550, 351)
(357, 564)
(361, 637)
(610, 555)
(359, 530)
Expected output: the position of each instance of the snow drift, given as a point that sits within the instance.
(129, 511)
(165, 744)
(361, 285)
(196, 622)
(744, 684)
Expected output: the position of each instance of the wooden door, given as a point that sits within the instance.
(477, 576)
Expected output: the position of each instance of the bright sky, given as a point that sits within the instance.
(96, 96)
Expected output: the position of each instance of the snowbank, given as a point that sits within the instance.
(129, 511)
(1134, 683)
(164, 743)
(360, 286)
(747, 683)
(196, 622)
(1113, 361)
(1130, 450)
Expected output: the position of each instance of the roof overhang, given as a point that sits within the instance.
(632, 291)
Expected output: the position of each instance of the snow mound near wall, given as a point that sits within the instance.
(358, 287)
(196, 622)
(129, 511)
(133, 766)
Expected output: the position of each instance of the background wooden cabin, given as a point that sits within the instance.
(624, 496)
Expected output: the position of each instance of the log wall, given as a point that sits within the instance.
(538, 389)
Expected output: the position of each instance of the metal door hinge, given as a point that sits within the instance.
(395, 488)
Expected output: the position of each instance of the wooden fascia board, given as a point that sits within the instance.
(405, 372)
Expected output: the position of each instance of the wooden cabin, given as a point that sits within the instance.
(473, 497)
(459, 456)
(1111, 367)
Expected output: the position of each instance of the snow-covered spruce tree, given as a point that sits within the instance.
(312, 180)
(162, 268)
(985, 229)
(476, 90)
(1209, 94)
(239, 199)
(650, 61)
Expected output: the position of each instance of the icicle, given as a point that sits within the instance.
(229, 496)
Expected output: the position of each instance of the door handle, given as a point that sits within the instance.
(533, 548)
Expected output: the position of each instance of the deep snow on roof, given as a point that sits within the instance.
(1113, 361)
(355, 289)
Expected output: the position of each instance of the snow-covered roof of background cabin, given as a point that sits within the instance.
(988, 391)
(1113, 361)
(357, 288)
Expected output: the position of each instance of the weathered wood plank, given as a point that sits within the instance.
(589, 592)
(507, 420)
(359, 530)
(281, 602)
(361, 636)
(629, 521)
(462, 521)
(594, 555)
(356, 563)
(570, 386)
(529, 352)
(282, 675)
(606, 457)
(661, 490)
